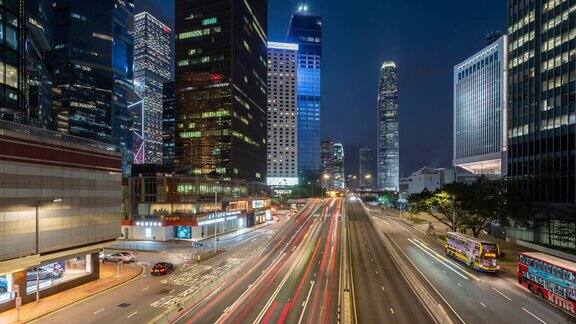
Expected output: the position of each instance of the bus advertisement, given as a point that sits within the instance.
(477, 254)
(549, 277)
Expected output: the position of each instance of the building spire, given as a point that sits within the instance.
(302, 6)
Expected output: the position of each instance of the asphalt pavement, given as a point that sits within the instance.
(470, 296)
(382, 295)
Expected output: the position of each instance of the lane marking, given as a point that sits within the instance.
(171, 291)
(305, 304)
(498, 291)
(98, 311)
(459, 284)
(433, 256)
(391, 310)
(132, 314)
(145, 288)
(481, 303)
(536, 317)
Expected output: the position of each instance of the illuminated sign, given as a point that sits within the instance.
(282, 181)
(284, 46)
(257, 203)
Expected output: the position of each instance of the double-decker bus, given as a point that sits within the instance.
(549, 277)
(476, 253)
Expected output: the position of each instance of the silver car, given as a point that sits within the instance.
(125, 257)
(44, 273)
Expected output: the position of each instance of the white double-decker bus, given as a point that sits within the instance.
(476, 253)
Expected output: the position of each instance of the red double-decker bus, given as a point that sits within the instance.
(549, 277)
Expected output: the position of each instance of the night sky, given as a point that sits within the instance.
(426, 39)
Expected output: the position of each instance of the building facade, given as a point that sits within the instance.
(220, 87)
(282, 114)
(61, 203)
(480, 106)
(168, 124)
(152, 68)
(13, 64)
(306, 30)
(542, 110)
(332, 156)
(388, 129)
(92, 64)
(367, 168)
(37, 81)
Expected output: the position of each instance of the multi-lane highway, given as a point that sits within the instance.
(381, 293)
(295, 280)
(470, 296)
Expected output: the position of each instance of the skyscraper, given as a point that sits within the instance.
(37, 83)
(367, 170)
(388, 129)
(542, 96)
(332, 160)
(92, 70)
(152, 68)
(282, 111)
(220, 87)
(12, 65)
(480, 105)
(168, 124)
(306, 30)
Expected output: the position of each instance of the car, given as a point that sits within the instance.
(3, 285)
(44, 273)
(161, 268)
(125, 257)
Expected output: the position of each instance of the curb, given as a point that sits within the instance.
(31, 320)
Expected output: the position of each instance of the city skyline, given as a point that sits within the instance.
(389, 31)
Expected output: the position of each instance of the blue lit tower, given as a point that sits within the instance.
(306, 30)
(388, 129)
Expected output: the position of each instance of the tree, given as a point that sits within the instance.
(443, 205)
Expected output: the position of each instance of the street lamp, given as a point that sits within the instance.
(37, 240)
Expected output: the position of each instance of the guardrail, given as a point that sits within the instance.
(436, 310)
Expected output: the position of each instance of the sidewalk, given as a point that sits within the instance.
(508, 250)
(108, 280)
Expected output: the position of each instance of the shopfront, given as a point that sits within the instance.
(5, 287)
(58, 272)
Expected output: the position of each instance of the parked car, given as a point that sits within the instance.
(3, 285)
(161, 268)
(44, 273)
(125, 257)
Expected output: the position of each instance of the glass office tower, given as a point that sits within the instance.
(92, 70)
(480, 103)
(152, 68)
(12, 63)
(220, 88)
(332, 161)
(367, 168)
(388, 129)
(542, 96)
(306, 31)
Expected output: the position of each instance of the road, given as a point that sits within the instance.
(146, 297)
(471, 296)
(381, 293)
(294, 281)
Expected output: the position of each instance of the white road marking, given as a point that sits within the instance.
(459, 284)
(145, 288)
(131, 314)
(536, 317)
(306, 302)
(498, 291)
(382, 288)
(391, 310)
(418, 245)
(98, 311)
(171, 291)
(481, 303)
